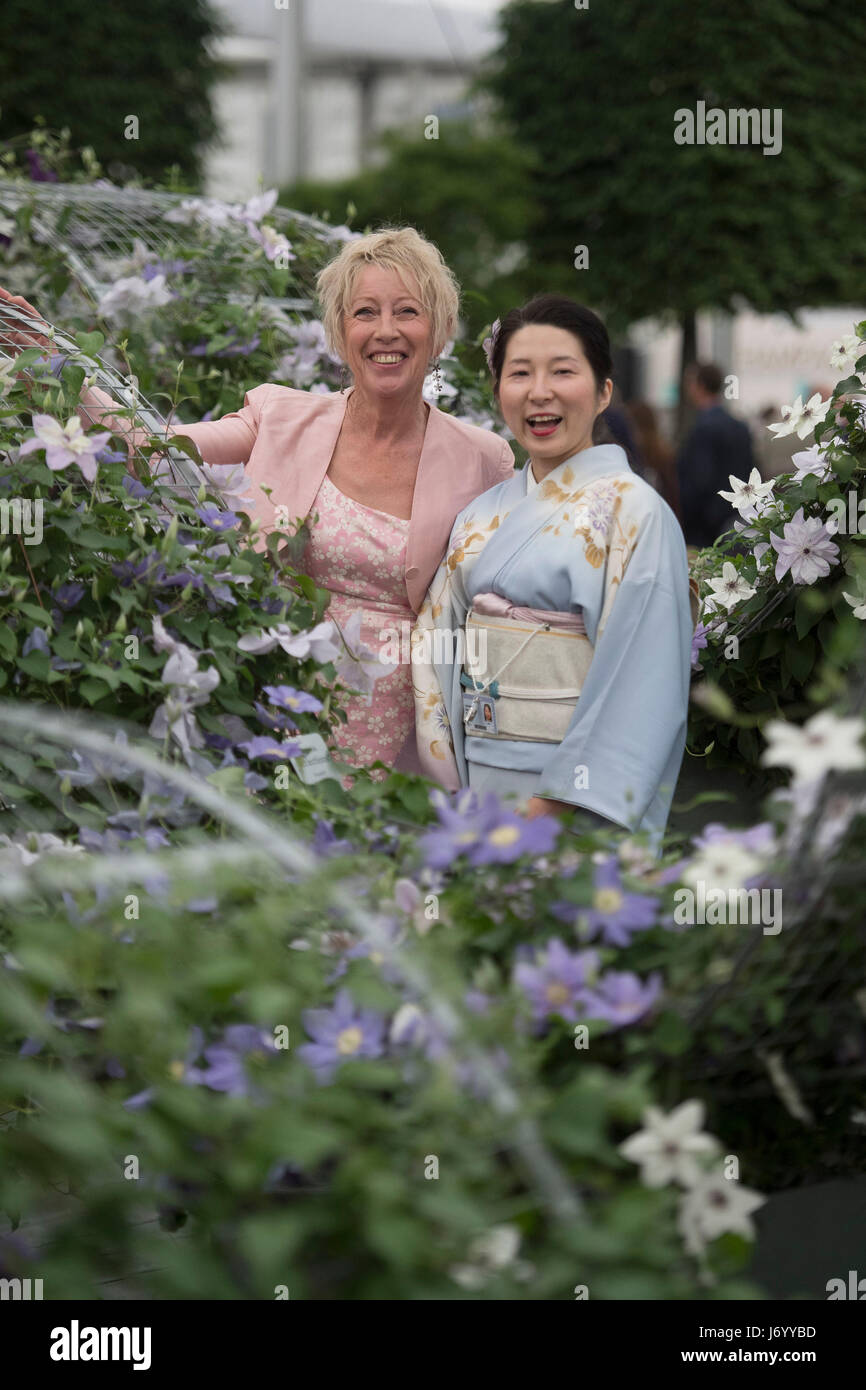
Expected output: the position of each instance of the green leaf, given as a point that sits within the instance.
(90, 343)
(35, 664)
(809, 609)
(8, 643)
(32, 610)
(228, 779)
(98, 540)
(93, 690)
(800, 658)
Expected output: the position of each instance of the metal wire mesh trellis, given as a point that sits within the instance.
(91, 224)
(175, 470)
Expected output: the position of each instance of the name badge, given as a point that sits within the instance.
(313, 764)
(483, 717)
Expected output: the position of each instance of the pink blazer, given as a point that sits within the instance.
(286, 438)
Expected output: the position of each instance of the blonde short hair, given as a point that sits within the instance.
(391, 248)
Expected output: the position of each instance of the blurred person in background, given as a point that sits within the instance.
(717, 447)
(656, 453)
(615, 427)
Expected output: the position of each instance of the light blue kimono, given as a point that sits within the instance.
(592, 537)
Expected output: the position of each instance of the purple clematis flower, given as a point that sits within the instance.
(37, 170)
(263, 747)
(559, 982)
(36, 641)
(341, 1034)
(68, 596)
(226, 1060)
(271, 720)
(325, 842)
(620, 997)
(759, 838)
(111, 456)
(134, 487)
(616, 913)
(298, 701)
(382, 954)
(486, 832)
(217, 519)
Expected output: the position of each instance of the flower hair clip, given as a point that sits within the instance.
(489, 344)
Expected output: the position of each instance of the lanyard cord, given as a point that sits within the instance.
(485, 688)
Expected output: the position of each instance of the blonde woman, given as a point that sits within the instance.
(383, 473)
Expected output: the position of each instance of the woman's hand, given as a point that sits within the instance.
(543, 806)
(17, 334)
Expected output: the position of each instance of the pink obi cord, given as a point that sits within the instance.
(495, 606)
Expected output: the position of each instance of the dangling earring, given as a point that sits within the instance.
(344, 379)
(437, 378)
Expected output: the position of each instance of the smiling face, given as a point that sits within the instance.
(388, 334)
(548, 394)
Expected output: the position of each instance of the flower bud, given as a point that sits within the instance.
(170, 536)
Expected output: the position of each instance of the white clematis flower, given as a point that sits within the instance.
(713, 1206)
(825, 743)
(669, 1146)
(801, 419)
(747, 497)
(731, 588)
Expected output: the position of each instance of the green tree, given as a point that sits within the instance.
(674, 228)
(468, 191)
(87, 68)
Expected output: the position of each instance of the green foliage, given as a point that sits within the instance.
(592, 95)
(84, 69)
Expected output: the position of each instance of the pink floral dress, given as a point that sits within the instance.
(359, 555)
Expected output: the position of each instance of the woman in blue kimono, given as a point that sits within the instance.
(552, 657)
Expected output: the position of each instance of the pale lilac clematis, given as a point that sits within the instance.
(805, 548)
(318, 643)
(65, 444)
(359, 666)
(811, 461)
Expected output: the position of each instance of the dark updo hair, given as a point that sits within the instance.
(556, 311)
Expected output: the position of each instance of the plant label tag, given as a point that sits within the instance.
(314, 762)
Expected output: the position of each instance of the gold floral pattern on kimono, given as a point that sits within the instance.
(592, 514)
